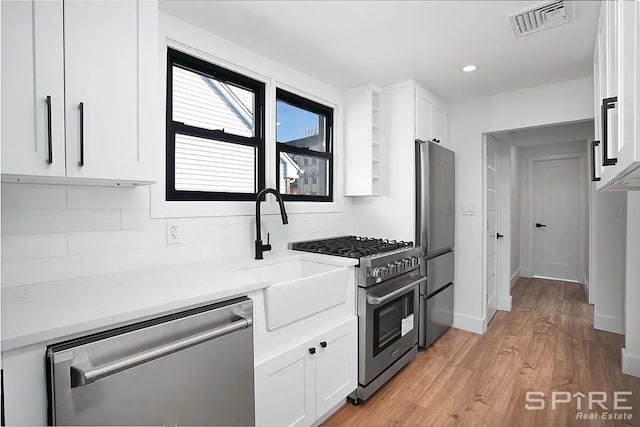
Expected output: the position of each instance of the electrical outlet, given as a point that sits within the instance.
(173, 234)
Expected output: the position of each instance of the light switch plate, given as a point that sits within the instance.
(468, 209)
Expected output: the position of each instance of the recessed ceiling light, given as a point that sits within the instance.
(469, 68)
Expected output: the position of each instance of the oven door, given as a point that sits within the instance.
(390, 312)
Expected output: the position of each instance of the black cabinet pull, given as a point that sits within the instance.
(594, 144)
(49, 136)
(499, 236)
(81, 107)
(312, 350)
(323, 344)
(607, 104)
(538, 225)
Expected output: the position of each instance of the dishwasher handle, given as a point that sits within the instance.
(81, 377)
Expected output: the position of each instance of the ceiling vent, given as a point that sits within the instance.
(543, 16)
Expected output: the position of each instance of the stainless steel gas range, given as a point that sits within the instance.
(389, 280)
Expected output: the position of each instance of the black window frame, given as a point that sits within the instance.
(283, 147)
(188, 62)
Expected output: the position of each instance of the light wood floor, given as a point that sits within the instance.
(547, 342)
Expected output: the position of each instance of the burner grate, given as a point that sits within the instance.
(351, 246)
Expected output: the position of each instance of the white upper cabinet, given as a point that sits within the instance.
(109, 60)
(32, 88)
(373, 124)
(363, 153)
(94, 64)
(431, 118)
(616, 71)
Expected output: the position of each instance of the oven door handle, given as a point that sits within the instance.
(373, 300)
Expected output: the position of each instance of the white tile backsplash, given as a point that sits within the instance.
(131, 219)
(21, 196)
(52, 232)
(31, 246)
(107, 197)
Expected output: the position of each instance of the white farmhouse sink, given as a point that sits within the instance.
(300, 288)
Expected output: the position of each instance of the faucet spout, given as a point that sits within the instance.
(261, 248)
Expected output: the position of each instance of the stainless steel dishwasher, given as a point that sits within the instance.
(188, 368)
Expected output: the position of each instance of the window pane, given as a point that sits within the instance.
(300, 128)
(204, 102)
(209, 165)
(300, 176)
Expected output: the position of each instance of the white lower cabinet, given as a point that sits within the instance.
(303, 382)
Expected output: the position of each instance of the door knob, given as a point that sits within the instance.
(323, 344)
(499, 236)
(312, 350)
(538, 225)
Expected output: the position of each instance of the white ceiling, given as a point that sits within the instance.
(578, 131)
(348, 43)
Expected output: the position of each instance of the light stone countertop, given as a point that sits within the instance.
(52, 310)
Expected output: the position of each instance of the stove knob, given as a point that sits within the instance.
(377, 272)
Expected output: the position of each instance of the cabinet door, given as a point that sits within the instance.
(285, 387)
(424, 126)
(628, 32)
(336, 365)
(32, 87)
(109, 76)
(439, 123)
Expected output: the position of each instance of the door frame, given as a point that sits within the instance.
(500, 301)
(530, 216)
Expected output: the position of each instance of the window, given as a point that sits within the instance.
(304, 148)
(215, 132)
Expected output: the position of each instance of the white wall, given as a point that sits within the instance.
(577, 148)
(52, 232)
(468, 121)
(610, 238)
(514, 161)
(631, 352)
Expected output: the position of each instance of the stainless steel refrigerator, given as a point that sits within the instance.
(435, 223)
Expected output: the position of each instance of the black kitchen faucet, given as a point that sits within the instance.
(260, 248)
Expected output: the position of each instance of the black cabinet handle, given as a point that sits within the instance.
(81, 107)
(607, 104)
(594, 144)
(538, 225)
(312, 350)
(49, 136)
(499, 236)
(323, 344)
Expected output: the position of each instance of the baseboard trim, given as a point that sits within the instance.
(526, 273)
(514, 277)
(608, 323)
(585, 288)
(504, 303)
(630, 363)
(469, 323)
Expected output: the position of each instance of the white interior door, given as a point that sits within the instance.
(556, 217)
(491, 197)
